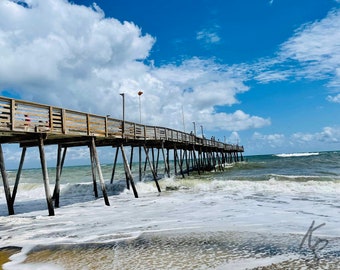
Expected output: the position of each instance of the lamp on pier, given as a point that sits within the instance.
(194, 128)
(140, 106)
(123, 124)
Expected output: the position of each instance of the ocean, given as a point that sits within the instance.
(267, 212)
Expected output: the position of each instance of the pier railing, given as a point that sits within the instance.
(18, 116)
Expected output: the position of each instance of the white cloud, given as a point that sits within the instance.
(327, 135)
(271, 140)
(199, 86)
(82, 60)
(234, 138)
(316, 46)
(313, 53)
(297, 142)
(335, 99)
(209, 35)
(62, 58)
(239, 121)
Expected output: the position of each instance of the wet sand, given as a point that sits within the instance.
(105, 258)
(217, 250)
(7, 252)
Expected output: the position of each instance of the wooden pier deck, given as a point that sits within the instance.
(36, 125)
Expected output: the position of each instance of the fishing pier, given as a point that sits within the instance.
(36, 125)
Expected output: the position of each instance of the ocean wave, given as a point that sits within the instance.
(279, 184)
(273, 182)
(307, 154)
(302, 178)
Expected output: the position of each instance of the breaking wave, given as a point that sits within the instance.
(298, 154)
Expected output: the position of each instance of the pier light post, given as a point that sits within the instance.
(202, 132)
(123, 124)
(140, 106)
(194, 128)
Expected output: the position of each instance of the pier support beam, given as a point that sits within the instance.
(152, 169)
(6, 184)
(140, 163)
(178, 160)
(99, 170)
(128, 173)
(45, 176)
(114, 165)
(94, 173)
(17, 179)
(166, 161)
(157, 160)
(196, 162)
(60, 163)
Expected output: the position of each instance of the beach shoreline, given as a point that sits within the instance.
(186, 249)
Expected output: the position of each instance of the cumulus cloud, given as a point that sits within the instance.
(82, 60)
(234, 138)
(67, 59)
(271, 140)
(327, 135)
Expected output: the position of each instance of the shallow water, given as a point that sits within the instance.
(187, 250)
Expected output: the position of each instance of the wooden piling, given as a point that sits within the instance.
(99, 170)
(131, 157)
(166, 161)
(140, 163)
(175, 159)
(152, 169)
(157, 161)
(7, 189)
(56, 192)
(45, 177)
(61, 154)
(18, 175)
(94, 172)
(153, 159)
(196, 162)
(178, 160)
(187, 162)
(114, 165)
(128, 172)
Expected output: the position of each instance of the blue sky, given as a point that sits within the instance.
(261, 73)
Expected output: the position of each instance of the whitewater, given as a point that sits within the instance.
(254, 214)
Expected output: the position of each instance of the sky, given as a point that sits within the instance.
(264, 74)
